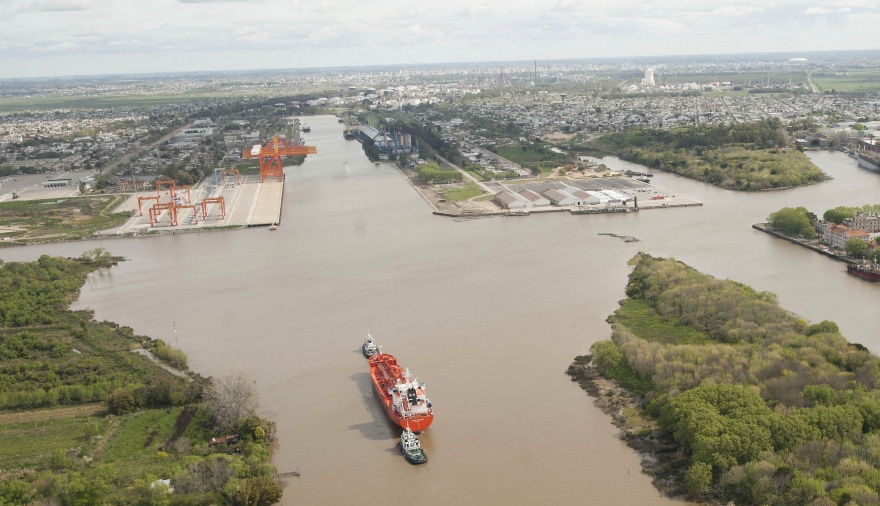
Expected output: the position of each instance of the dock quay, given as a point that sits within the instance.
(236, 202)
(763, 227)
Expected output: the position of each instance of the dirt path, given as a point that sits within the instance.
(112, 430)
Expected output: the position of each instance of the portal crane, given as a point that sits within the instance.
(270, 155)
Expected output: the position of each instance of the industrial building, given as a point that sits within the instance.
(649, 78)
(558, 194)
(56, 183)
(388, 143)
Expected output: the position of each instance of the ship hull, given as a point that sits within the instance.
(864, 274)
(414, 458)
(382, 368)
(869, 164)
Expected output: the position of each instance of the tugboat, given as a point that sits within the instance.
(306, 128)
(369, 348)
(412, 450)
(347, 134)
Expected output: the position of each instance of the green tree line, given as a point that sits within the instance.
(744, 156)
(432, 173)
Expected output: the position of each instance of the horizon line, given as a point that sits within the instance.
(434, 64)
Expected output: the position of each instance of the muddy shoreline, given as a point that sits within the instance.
(661, 457)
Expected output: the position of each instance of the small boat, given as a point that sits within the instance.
(273, 227)
(306, 128)
(412, 450)
(369, 348)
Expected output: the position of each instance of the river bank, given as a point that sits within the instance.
(708, 396)
(660, 456)
(810, 245)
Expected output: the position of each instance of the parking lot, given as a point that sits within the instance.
(28, 187)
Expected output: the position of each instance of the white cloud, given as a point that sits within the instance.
(215, 1)
(59, 5)
(60, 46)
(337, 32)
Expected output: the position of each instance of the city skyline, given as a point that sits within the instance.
(93, 37)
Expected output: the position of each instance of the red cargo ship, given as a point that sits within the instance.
(866, 270)
(403, 396)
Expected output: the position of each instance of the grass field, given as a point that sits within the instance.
(139, 437)
(59, 219)
(15, 104)
(643, 320)
(462, 192)
(29, 444)
(862, 81)
(475, 174)
(520, 155)
(740, 78)
(138, 442)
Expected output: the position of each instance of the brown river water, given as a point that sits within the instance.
(488, 313)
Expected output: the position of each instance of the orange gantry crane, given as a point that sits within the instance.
(213, 200)
(223, 173)
(156, 213)
(270, 155)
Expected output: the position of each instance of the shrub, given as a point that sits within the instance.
(120, 402)
(698, 479)
(258, 491)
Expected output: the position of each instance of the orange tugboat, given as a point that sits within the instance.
(403, 396)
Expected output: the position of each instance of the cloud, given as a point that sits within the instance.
(61, 46)
(737, 10)
(216, 1)
(128, 43)
(59, 5)
(237, 33)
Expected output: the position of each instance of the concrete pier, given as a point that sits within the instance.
(248, 204)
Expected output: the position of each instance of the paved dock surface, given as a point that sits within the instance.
(248, 204)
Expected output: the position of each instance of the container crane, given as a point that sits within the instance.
(270, 155)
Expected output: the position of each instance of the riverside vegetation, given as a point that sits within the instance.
(744, 156)
(738, 399)
(86, 420)
(36, 221)
(799, 222)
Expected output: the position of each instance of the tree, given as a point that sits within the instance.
(698, 479)
(856, 248)
(793, 221)
(259, 491)
(838, 214)
(120, 402)
(232, 396)
(823, 327)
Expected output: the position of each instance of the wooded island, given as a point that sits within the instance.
(768, 408)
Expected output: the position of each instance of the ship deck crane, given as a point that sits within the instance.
(270, 155)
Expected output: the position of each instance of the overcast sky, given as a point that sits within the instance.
(74, 37)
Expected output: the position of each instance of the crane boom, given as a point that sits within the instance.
(270, 155)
